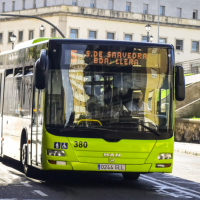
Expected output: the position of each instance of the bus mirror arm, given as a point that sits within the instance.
(179, 83)
(40, 70)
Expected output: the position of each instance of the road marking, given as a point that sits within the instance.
(164, 186)
(185, 182)
(26, 184)
(8, 199)
(169, 176)
(180, 187)
(166, 190)
(41, 193)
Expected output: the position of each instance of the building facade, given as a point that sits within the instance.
(179, 21)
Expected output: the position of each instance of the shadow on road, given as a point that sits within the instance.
(68, 178)
(101, 185)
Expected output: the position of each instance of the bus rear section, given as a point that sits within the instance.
(108, 107)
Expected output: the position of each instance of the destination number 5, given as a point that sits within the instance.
(80, 144)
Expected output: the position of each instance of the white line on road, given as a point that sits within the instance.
(8, 199)
(174, 192)
(26, 184)
(165, 185)
(180, 187)
(41, 193)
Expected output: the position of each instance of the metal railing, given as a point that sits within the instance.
(191, 66)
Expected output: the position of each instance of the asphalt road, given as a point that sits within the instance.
(183, 183)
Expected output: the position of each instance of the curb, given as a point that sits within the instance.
(188, 152)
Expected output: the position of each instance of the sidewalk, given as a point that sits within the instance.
(189, 148)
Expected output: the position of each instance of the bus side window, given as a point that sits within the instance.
(8, 96)
(27, 93)
(17, 85)
(0, 92)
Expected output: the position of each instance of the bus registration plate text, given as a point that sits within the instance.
(110, 167)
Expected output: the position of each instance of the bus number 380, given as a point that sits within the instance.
(80, 144)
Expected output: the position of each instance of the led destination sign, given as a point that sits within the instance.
(117, 58)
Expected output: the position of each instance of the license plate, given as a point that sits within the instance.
(111, 167)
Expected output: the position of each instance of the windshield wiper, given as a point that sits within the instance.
(142, 124)
(148, 128)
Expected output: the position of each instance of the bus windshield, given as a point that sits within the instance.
(122, 90)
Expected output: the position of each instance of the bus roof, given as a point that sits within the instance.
(26, 44)
(33, 42)
(112, 42)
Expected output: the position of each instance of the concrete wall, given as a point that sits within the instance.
(190, 107)
(187, 130)
(189, 111)
(191, 94)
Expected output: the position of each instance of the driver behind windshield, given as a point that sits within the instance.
(137, 103)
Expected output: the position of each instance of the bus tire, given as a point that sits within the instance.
(131, 175)
(26, 167)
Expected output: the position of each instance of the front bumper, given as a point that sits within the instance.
(77, 166)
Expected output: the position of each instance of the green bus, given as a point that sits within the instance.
(89, 105)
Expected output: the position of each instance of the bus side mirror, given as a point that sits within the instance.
(179, 83)
(40, 70)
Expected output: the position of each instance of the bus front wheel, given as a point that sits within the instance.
(131, 175)
(24, 160)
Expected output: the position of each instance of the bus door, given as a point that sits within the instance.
(37, 127)
(1, 110)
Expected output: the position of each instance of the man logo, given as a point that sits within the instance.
(112, 155)
(111, 160)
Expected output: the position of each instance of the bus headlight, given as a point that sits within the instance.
(55, 153)
(165, 156)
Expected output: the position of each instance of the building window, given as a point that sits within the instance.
(74, 33)
(110, 4)
(128, 6)
(128, 37)
(1, 38)
(92, 35)
(195, 14)
(195, 46)
(74, 2)
(13, 5)
(53, 32)
(179, 45)
(34, 3)
(24, 4)
(20, 36)
(31, 35)
(45, 3)
(162, 40)
(144, 38)
(110, 36)
(9, 35)
(3, 7)
(92, 3)
(145, 8)
(162, 10)
(42, 33)
(179, 11)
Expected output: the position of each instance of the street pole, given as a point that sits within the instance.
(11, 15)
(12, 45)
(158, 18)
(148, 36)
